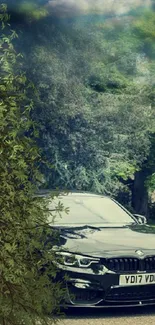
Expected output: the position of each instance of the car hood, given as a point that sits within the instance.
(108, 242)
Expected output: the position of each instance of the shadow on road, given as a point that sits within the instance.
(78, 313)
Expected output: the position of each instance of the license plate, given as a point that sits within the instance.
(137, 279)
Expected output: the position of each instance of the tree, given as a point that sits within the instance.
(27, 293)
(143, 28)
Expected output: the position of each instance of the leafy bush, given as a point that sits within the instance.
(26, 294)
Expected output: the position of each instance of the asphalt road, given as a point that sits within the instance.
(127, 316)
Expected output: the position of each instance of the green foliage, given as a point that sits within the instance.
(31, 10)
(145, 25)
(145, 29)
(93, 105)
(151, 182)
(27, 294)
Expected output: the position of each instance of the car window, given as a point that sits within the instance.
(91, 210)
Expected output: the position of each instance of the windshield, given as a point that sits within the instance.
(88, 210)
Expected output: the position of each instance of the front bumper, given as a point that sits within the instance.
(103, 290)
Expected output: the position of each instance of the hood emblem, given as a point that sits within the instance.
(140, 253)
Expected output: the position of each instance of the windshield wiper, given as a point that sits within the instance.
(88, 226)
(76, 226)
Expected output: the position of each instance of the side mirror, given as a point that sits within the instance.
(140, 219)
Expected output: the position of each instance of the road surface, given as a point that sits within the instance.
(130, 316)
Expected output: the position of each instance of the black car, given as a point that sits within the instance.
(107, 253)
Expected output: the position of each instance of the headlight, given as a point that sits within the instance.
(75, 260)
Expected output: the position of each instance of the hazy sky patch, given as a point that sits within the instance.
(74, 7)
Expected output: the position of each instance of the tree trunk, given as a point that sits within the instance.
(140, 194)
